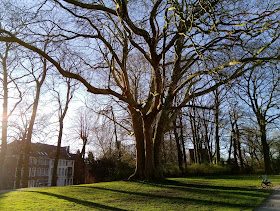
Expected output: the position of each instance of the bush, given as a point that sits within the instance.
(171, 170)
(111, 168)
(207, 169)
(259, 171)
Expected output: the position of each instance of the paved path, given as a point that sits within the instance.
(272, 203)
(20, 189)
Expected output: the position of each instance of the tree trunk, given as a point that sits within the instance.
(230, 147)
(149, 157)
(137, 124)
(18, 173)
(217, 139)
(4, 124)
(31, 124)
(28, 140)
(179, 151)
(239, 149)
(195, 152)
(117, 143)
(183, 141)
(83, 152)
(234, 142)
(265, 146)
(158, 139)
(58, 147)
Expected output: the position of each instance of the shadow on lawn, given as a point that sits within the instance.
(79, 201)
(201, 188)
(176, 199)
(3, 192)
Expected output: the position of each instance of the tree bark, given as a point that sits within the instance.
(149, 157)
(229, 150)
(31, 124)
(217, 137)
(117, 143)
(4, 123)
(19, 167)
(179, 151)
(183, 141)
(137, 124)
(265, 147)
(239, 148)
(28, 140)
(58, 147)
(234, 142)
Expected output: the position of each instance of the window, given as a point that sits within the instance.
(43, 172)
(59, 171)
(47, 172)
(62, 172)
(69, 171)
(34, 161)
(29, 172)
(38, 172)
(33, 173)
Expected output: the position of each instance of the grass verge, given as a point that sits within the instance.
(196, 193)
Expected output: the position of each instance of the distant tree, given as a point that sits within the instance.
(62, 111)
(84, 128)
(260, 91)
(39, 80)
(8, 65)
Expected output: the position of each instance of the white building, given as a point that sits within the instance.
(41, 164)
(65, 172)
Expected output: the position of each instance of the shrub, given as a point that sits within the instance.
(207, 169)
(259, 171)
(171, 170)
(111, 168)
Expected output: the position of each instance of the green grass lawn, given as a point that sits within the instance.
(196, 193)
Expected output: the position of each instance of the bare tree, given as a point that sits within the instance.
(62, 111)
(7, 64)
(260, 92)
(39, 83)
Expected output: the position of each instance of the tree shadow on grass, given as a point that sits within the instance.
(176, 199)
(2, 195)
(79, 201)
(4, 192)
(202, 188)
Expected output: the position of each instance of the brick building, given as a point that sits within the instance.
(41, 163)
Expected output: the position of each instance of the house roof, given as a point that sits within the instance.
(39, 150)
